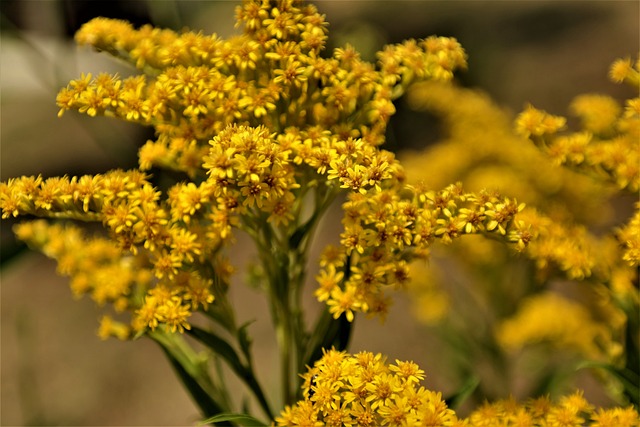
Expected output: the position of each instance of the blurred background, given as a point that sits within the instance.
(54, 369)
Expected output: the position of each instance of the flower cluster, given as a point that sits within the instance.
(362, 389)
(570, 410)
(249, 171)
(272, 75)
(99, 268)
(607, 146)
(580, 255)
(253, 121)
(537, 322)
(252, 171)
(606, 149)
(629, 236)
(384, 232)
(481, 149)
(142, 227)
(574, 253)
(568, 247)
(94, 263)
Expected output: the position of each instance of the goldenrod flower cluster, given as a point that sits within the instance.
(607, 150)
(537, 321)
(483, 151)
(256, 122)
(94, 263)
(362, 390)
(570, 410)
(273, 75)
(607, 145)
(98, 267)
(480, 148)
(629, 236)
(581, 256)
(141, 226)
(572, 249)
(384, 232)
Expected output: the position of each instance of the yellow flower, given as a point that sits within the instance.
(174, 314)
(598, 113)
(291, 74)
(198, 292)
(147, 316)
(408, 371)
(110, 283)
(344, 302)
(184, 245)
(110, 328)
(328, 280)
(533, 122)
(615, 417)
(166, 264)
(629, 236)
(608, 145)
(624, 70)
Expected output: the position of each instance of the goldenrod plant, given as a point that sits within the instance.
(260, 134)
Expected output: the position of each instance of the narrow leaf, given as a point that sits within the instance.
(220, 347)
(241, 419)
(227, 352)
(245, 340)
(220, 315)
(300, 233)
(456, 399)
(205, 402)
(329, 332)
(627, 378)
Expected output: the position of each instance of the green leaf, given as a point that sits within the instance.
(626, 377)
(245, 340)
(456, 399)
(297, 236)
(241, 419)
(329, 332)
(139, 334)
(205, 402)
(218, 312)
(220, 347)
(228, 353)
(550, 379)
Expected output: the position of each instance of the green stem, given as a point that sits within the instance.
(283, 254)
(300, 243)
(282, 286)
(274, 259)
(285, 344)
